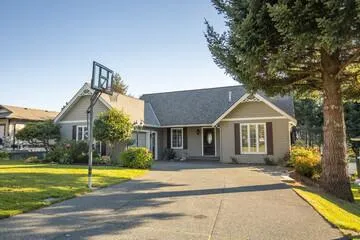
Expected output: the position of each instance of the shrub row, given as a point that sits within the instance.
(69, 152)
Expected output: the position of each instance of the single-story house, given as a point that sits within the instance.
(225, 123)
(13, 118)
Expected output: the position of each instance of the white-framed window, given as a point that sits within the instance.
(177, 138)
(253, 138)
(139, 139)
(81, 133)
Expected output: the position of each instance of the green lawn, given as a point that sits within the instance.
(343, 214)
(24, 187)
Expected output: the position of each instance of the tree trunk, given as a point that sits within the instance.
(334, 177)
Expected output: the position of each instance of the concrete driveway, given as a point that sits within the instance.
(180, 201)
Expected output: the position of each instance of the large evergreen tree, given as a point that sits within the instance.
(281, 46)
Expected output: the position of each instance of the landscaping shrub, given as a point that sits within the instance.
(306, 161)
(78, 151)
(269, 161)
(59, 154)
(33, 159)
(169, 154)
(68, 152)
(101, 160)
(4, 155)
(136, 157)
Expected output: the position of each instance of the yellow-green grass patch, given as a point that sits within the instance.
(24, 187)
(343, 214)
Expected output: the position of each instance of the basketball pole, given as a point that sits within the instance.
(90, 111)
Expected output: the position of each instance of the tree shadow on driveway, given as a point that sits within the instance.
(110, 211)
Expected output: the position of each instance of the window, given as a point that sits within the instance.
(177, 138)
(253, 138)
(81, 133)
(139, 136)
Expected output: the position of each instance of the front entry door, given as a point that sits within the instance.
(209, 141)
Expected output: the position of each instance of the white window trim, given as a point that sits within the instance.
(257, 138)
(82, 134)
(202, 140)
(182, 136)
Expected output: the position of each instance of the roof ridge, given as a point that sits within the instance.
(191, 90)
(27, 108)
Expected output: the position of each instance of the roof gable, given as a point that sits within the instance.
(252, 109)
(132, 106)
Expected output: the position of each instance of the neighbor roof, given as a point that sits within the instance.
(203, 106)
(28, 113)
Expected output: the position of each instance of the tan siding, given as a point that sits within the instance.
(77, 112)
(281, 134)
(132, 106)
(252, 109)
(66, 130)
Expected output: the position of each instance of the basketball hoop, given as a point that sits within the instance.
(102, 78)
(102, 82)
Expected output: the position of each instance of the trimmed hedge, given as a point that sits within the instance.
(136, 157)
(306, 161)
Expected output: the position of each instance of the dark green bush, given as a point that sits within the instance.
(4, 155)
(169, 154)
(136, 157)
(68, 152)
(59, 154)
(79, 151)
(269, 161)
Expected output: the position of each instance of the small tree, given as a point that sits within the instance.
(40, 132)
(119, 86)
(113, 126)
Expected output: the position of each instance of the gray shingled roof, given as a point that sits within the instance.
(150, 117)
(202, 106)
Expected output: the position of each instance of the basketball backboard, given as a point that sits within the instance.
(102, 78)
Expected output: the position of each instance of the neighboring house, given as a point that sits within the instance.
(225, 123)
(14, 118)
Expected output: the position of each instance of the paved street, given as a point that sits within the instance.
(199, 201)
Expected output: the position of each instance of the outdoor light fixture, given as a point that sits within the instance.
(197, 131)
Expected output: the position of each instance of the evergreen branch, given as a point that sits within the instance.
(347, 63)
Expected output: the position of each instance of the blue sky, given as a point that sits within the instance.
(47, 47)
